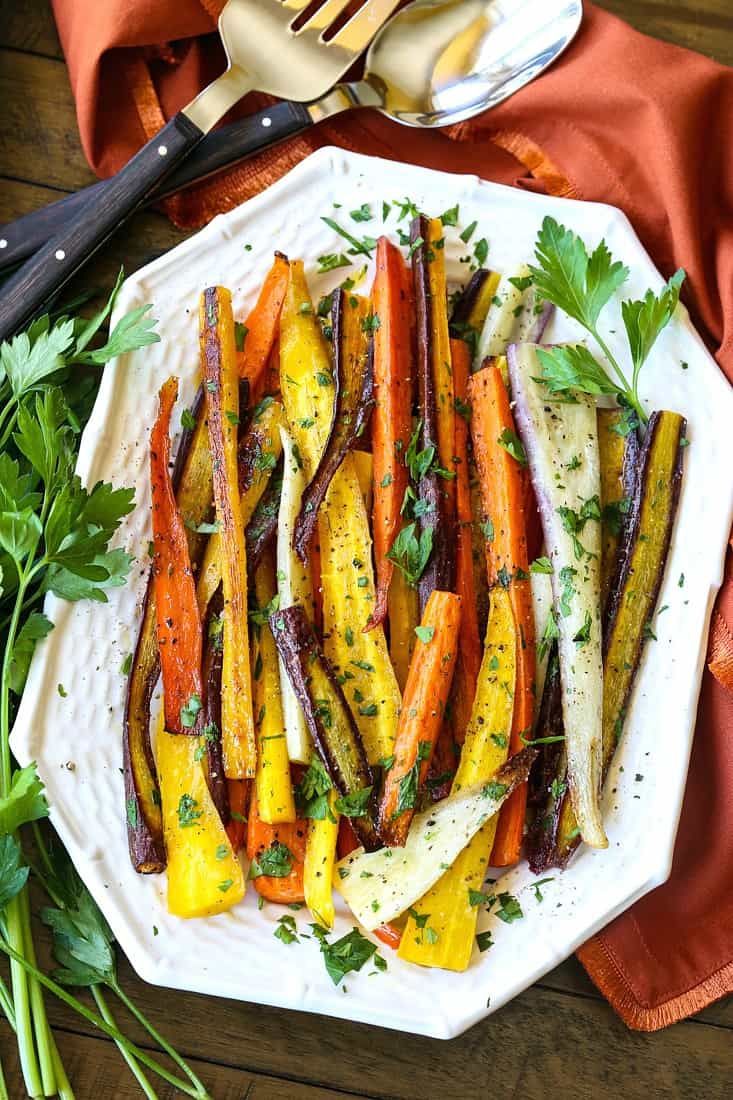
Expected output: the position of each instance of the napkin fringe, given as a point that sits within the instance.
(605, 975)
(531, 155)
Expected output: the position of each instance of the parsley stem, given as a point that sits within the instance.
(63, 1085)
(38, 1008)
(14, 914)
(630, 394)
(21, 1000)
(173, 1054)
(3, 1086)
(97, 1021)
(135, 1069)
(6, 1003)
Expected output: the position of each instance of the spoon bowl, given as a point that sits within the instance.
(438, 62)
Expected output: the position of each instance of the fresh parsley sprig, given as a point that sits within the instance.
(582, 286)
(55, 537)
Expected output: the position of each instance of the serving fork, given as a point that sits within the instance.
(286, 48)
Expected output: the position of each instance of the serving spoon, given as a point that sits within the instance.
(435, 63)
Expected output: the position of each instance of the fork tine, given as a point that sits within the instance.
(356, 35)
(322, 19)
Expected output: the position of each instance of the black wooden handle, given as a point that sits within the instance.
(218, 150)
(40, 278)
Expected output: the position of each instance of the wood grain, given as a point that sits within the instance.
(559, 1036)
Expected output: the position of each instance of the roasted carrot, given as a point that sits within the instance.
(445, 759)
(262, 326)
(390, 935)
(500, 460)
(238, 792)
(279, 849)
(180, 639)
(436, 404)
(222, 398)
(392, 424)
(421, 717)
(469, 652)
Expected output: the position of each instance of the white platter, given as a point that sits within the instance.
(76, 740)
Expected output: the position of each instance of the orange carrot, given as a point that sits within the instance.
(347, 840)
(391, 427)
(277, 846)
(263, 323)
(423, 706)
(504, 503)
(443, 764)
(268, 383)
(180, 636)
(469, 652)
(238, 792)
(389, 935)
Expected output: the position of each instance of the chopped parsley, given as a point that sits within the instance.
(189, 711)
(187, 813)
(275, 862)
(355, 804)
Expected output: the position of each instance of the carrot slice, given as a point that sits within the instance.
(263, 323)
(180, 638)
(389, 935)
(469, 652)
(504, 502)
(222, 399)
(421, 717)
(392, 425)
(279, 846)
(347, 840)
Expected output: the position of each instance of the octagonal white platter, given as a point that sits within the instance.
(76, 739)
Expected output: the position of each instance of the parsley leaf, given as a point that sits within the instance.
(511, 443)
(577, 283)
(409, 784)
(582, 285)
(410, 553)
(644, 320)
(573, 367)
(34, 629)
(13, 873)
(355, 804)
(509, 909)
(582, 637)
(275, 862)
(25, 801)
(346, 955)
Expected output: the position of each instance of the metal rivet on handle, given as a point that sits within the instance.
(60, 254)
(3, 243)
(163, 150)
(266, 122)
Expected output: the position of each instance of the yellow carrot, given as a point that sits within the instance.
(275, 800)
(320, 857)
(204, 875)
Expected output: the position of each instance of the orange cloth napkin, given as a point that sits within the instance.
(622, 119)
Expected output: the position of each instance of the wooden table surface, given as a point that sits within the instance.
(559, 1037)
